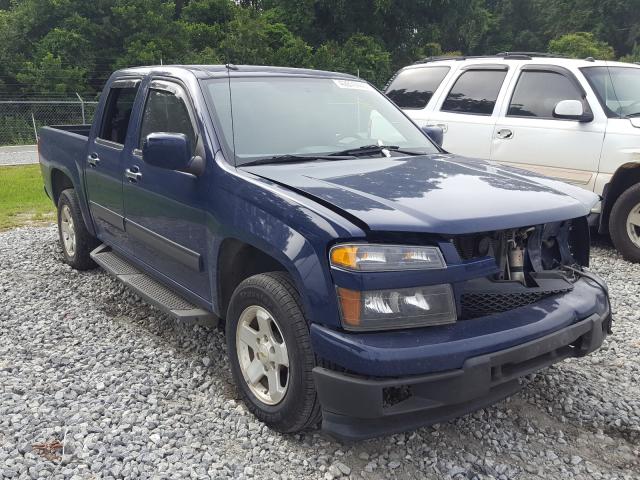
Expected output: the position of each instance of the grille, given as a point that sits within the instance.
(476, 305)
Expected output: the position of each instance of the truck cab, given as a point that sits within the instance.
(574, 120)
(365, 279)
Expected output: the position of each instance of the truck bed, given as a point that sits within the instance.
(63, 147)
(79, 129)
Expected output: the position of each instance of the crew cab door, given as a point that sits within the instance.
(528, 134)
(467, 112)
(164, 208)
(104, 167)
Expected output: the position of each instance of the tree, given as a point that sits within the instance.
(360, 55)
(61, 45)
(634, 56)
(48, 76)
(581, 45)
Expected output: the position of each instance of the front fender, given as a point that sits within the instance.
(291, 229)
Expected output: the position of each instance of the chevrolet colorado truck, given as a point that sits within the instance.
(365, 278)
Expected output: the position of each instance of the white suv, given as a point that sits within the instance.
(574, 120)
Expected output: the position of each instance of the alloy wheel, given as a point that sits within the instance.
(67, 228)
(262, 355)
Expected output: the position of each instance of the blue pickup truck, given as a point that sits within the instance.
(365, 278)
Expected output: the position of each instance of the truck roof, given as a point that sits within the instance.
(212, 71)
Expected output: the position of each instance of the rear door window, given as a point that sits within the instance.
(475, 92)
(537, 94)
(413, 88)
(117, 113)
(166, 112)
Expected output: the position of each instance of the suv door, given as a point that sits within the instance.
(103, 172)
(527, 133)
(164, 208)
(467, 112)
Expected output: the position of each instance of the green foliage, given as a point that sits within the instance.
(48, 74)
(59, 47)
(361, 55)
(634, 56)
(22, 199)
(581, 45)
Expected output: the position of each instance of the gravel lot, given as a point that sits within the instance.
(130, 393)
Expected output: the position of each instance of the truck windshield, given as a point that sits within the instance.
(618, 89)
(265, 117)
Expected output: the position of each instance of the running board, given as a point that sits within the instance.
(151, 290)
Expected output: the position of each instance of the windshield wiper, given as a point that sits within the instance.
(368, 149)
(632, 115)
(295, 158)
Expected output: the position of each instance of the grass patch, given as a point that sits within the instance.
(22, 197)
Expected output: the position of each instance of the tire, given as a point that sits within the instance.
(76, 241)
(275, 294)
(626, 236)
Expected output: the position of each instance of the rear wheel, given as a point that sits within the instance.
(270, 352)
(75, 239)
(624, 224)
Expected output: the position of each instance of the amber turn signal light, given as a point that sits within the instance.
(350, 305)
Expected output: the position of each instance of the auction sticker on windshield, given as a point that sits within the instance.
(353, 84)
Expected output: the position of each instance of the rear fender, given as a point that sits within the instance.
(50, 153)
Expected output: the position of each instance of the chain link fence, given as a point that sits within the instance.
(20, 119)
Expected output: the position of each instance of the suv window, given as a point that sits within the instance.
(117, 113)
(537, 94)
(475, 92)
(414, 88)
(166, 112)
(617, 88)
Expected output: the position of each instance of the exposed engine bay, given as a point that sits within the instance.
(532, 263)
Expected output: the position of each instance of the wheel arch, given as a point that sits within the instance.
(626, 176)
(237, 261)
(60, 181)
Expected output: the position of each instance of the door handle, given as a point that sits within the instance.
(133, 174)
(504, 134)
(93, 160)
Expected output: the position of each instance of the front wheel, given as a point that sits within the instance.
(624, 224)
(270, 352)
(75, 239)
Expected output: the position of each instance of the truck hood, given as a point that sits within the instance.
(443, 194)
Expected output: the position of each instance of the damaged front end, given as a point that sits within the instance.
(532, 263)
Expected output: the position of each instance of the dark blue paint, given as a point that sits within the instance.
(438, 193)
(435, 349)
(167, 150)
(296, 212)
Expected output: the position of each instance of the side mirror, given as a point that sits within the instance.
(434, 133)
(572, 110)
(171, 151)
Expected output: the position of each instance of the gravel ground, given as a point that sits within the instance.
(129, 393)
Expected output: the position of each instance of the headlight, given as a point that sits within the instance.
(377, 258)
(397, 308)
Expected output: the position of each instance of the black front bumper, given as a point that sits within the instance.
(355, 407)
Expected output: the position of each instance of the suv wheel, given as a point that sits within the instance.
(75, 239)
(624, 224)
(270, 352)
